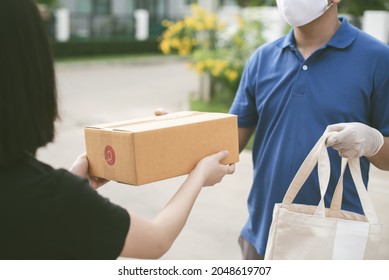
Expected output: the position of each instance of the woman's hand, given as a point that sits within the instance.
(161, 112)
(211, 170)
(80, 168)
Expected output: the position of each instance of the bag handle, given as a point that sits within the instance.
(306, 168)
(336, 202)
(319, 155)
(356, 174)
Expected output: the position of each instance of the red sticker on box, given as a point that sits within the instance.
(109, 155)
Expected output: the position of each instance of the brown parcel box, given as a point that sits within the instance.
(146, 150)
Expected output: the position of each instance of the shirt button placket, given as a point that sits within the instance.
(300, 85)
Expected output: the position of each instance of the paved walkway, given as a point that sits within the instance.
(98, 92)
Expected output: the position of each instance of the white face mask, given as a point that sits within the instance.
(301, 12)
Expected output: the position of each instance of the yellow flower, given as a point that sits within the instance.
(231, 75)
(197, 11)
(199, 26)
(185, 47)
(222, 64)
(199, 67)
(175, 43)
(190, 22)
(176, 27)
(197, 37)
(216, 72)
(166, 23)
(217, 68)
(184, 51)
(165, 47)
(210, 22)
(241, 22)
(221, 26)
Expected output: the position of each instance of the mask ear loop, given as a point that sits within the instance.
(328, 7)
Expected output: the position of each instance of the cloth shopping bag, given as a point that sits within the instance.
(303, 232)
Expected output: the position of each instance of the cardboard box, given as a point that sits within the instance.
(146, 150)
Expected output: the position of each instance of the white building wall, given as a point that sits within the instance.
(376, 23)
(69, 4)
(120, 7)
(210, 5)
(177, 8)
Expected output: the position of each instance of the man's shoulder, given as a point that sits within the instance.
(374, 43)
(369, 42)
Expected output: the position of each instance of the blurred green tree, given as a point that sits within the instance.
(357, 7)
(213, 47)
(49, 3)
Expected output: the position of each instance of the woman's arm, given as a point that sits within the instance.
(152, 239)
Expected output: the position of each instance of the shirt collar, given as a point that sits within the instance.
(287, 40)
(342, 38)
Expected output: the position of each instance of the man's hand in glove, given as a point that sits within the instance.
(355, 139)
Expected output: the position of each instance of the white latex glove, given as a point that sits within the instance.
(355, 139)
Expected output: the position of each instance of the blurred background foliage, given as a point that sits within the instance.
(213, 47)
(352, 7)
(221, 51)
(49, 3)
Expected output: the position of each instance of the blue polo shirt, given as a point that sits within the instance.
(290, 101)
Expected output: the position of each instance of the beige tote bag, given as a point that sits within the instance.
(303, 232)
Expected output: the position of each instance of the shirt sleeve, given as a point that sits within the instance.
(380, 97)
(87, 225)
(244, 105)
